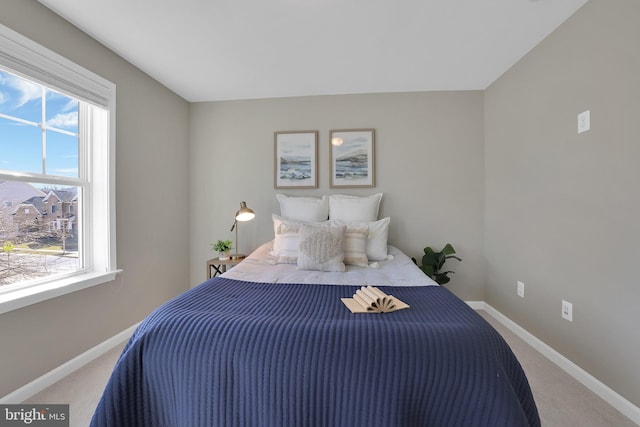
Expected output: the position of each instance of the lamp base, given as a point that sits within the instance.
(238, 256)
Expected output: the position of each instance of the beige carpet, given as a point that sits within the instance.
(561, 400)
(82, 389)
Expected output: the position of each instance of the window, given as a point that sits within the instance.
(57, 131)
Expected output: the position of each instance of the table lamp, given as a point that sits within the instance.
(243, 214)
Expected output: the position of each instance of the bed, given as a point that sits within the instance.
(266, 344)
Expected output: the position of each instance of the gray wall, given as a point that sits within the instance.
(429, 151)
(562, 209)
(152, 203)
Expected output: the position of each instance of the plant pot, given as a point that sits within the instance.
(224, 256)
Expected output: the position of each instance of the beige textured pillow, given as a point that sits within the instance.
(355, 245)
(321, 248)
(377, 238)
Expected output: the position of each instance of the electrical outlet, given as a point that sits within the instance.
(520, 289)
(567, 311)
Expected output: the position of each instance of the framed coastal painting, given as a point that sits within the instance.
(296, 159)
(352, 158)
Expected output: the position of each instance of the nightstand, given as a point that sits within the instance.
(218, 266)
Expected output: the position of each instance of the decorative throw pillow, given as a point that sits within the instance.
(354, 208)
(286, 243)
(355, 246)
(308, 209)
(376, 246)
(321, 248)
(286, 239)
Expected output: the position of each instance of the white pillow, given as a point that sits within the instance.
(376, 248)
(321, 248)
(310, 209)
(354, 208)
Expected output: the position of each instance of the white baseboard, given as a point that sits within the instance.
(55, 375)
(607, 394)
(476, 305)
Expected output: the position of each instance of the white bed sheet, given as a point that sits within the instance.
(398, 270)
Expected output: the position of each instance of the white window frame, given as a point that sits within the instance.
(37, 63)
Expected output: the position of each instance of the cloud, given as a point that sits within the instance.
(27, 91)
(21, 91)
(72, 104)
(4, 96)
(64, 120)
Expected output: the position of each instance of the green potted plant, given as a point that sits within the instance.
(433, 262)
(223, 247)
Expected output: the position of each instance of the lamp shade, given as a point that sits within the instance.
(245, 214)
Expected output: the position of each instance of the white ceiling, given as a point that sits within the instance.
(206, 50)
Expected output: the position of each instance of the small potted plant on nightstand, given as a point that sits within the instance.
(223, 247)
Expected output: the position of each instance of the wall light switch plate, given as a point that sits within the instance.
(520, 289)
(567, 311)
(584, 121)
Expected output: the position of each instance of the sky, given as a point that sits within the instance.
(352, 141)
(21, 144)
(296, 145)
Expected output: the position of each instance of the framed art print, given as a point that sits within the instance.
(296, 159)
(352, 155)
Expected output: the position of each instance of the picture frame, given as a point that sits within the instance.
(352, 158)
(296, 159)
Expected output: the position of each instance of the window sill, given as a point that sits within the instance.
(32, 295)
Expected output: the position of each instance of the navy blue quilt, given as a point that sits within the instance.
(231, 353)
